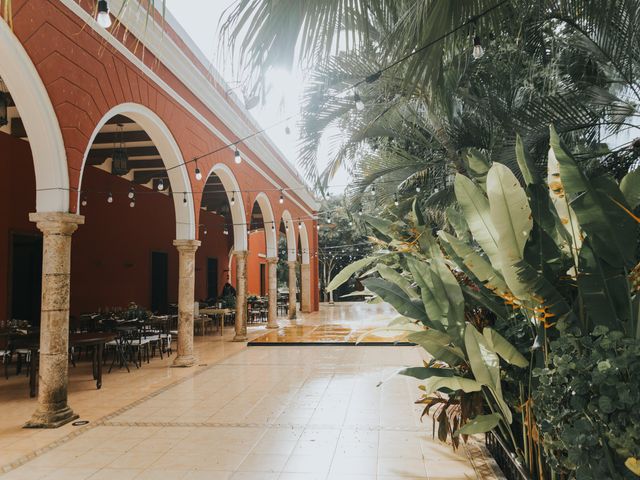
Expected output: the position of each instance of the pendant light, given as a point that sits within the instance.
(103, 18)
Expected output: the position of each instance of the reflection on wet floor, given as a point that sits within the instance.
(342, 323)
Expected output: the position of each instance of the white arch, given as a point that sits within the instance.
(304, 242)
(290, 230)
(269, 221)
(171, 157)
(40, 122)
(238, 215)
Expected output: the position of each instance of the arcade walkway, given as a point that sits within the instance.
(280, 412)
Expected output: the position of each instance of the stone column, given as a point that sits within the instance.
(272, 273)
(293, 288)
(186, 297)
(305, 287)
(57, 228)
(241, 296)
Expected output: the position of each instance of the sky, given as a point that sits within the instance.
(200, 18)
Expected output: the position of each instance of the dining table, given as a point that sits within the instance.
(220, 313)
(97, 340)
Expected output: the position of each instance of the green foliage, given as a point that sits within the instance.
(587, 403)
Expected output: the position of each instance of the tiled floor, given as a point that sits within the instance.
(265, 413)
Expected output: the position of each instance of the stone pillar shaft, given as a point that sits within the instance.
(293, 288)
(186, 298)
(53, 375)
(305, 287)
(272, 273)
(241, 296)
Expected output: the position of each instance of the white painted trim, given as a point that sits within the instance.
(40, 122)
(176, 61)
(268, 220)
(290, 233)
(171, 156)
(238, 215)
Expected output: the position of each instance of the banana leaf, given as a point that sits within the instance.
(477, 166)
(475, 207)
(527, 167)
(345, 273)
(395, 296)
(393, 276)
(432, 305)
(422, 373)
(611, 228)
(446, 287)
(459, 224)
(511, 217)
(438, 345)
(630, 187)
(503, 348)
(417, 213)
(604, 291)
(480, 424)
(467, 385)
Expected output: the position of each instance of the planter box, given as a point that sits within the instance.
(504, 458)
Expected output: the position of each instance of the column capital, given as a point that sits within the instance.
(187, 245)
(271, 261)
(61, 223)
(241, 253)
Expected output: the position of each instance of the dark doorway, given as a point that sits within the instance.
(263, 275)
(26, 277)
(159, 282)
(212, 278)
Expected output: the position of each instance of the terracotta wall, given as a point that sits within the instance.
(17, 200)
(257, 256)
(111, 252)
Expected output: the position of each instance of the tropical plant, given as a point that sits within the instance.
(516, 269)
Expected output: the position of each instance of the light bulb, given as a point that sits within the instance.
(478, 51)
(418, 189)
(395, 199)
(360, 211)
(205, 231)
(225, 232)
(373, 190)
(84, 202)
(329, 220)
(198, 174)
(300, 225)
(237, 157)
(233, 200)
(109, 198)
(318, 227)
(273, 227)
(132, 203)
(281, 201)
(131, 193)
(103, 18)
(160, 185)
(351, 223)
(358, 100)
(184, 199)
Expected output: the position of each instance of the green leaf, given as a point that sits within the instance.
(511, 217)
(393, 276)
(432, 305)
(459, 224)
(593, 202)
(395, 296)
(630, 187)
(480, 267)
(503, 348)
(437, 344)
(527, 167)
(480, 424)
(417, 213)
(477, 166)
(446, 287)
(345, 273)
(467, 385)
(475, 207)
(422, 373)
(385, 227)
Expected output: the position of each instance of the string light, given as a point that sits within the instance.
(373, 190)
(132, 192)
(184, 199)
(160, 185)
(358, 101)
(198, 172)
(281, 199)
(205, 230)
(233, 199)
(236, 156)
(360, 211)
(418, 189)
(103, 18)
(132, 203)
(225, 231)
(395, 199)
(110, 198)
(478, 51)
(84, 201)
(299, 225)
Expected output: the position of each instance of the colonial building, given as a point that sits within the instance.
(103, 201)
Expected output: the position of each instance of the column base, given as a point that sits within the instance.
(51, 419)
(273, 326)
(240, 338)
(184, 361)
